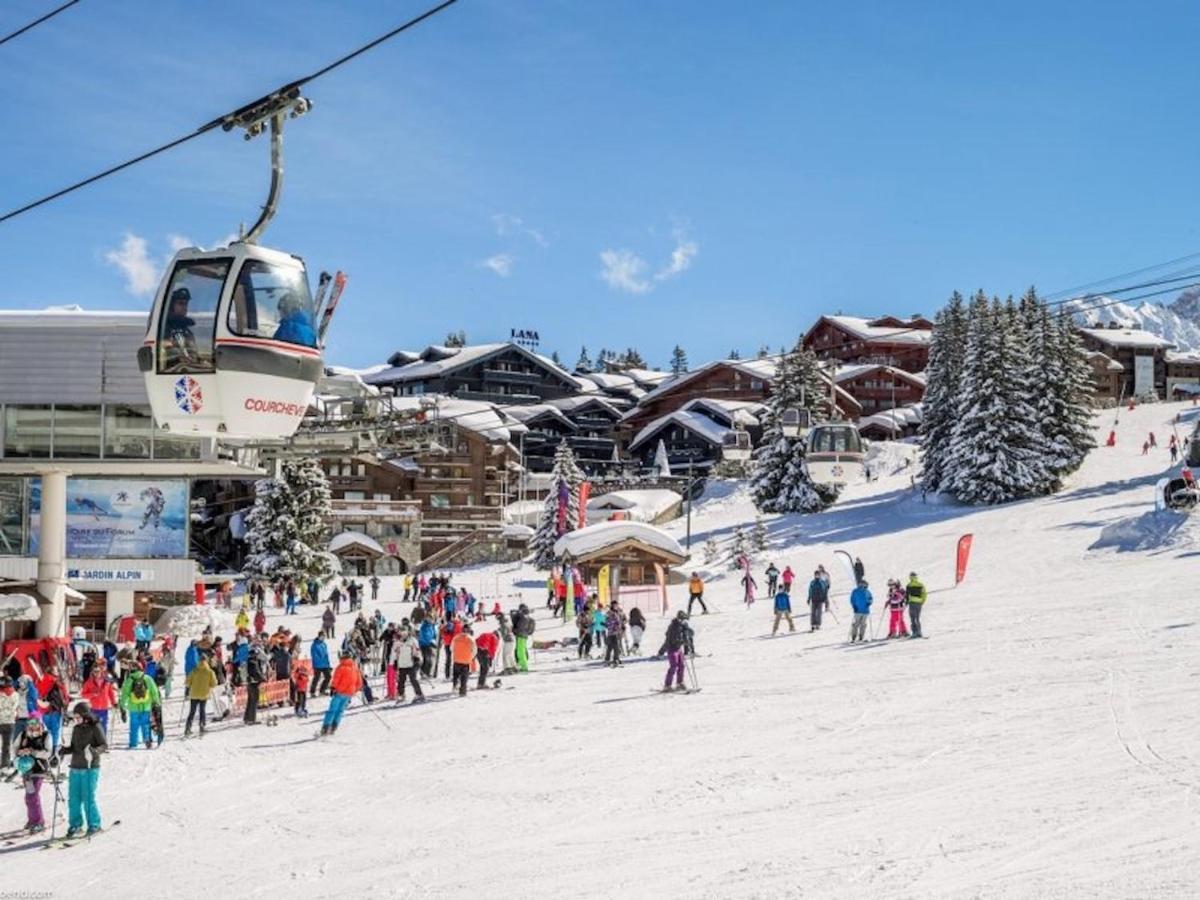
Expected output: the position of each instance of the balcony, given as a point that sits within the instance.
(496, 396)
(387, 510)
(502, 376)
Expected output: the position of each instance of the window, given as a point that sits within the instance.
(380, 495)
(187, 323)
(127, 432)
(354, 495)
(12, 515)
(168, 447)
(755, 384)
(27, 431)
(439, 501)
(271, 301)
(77, 432)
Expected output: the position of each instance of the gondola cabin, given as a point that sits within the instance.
(231, 349)
(834, 454)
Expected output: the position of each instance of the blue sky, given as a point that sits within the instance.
(610, 173)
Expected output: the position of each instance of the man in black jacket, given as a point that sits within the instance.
(818, 600)
(674, 644)
(86, 744)
(256, 665)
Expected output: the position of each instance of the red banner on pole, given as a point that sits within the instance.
(964, 555)
(585, 491)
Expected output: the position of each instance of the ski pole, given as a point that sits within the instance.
(691, 660)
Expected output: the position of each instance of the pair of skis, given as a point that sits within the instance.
(322, 310)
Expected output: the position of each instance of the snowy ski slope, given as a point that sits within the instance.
(1043, 740)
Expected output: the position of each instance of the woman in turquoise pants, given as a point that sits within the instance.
(86, 745)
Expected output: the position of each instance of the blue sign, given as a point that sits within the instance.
(119, 518)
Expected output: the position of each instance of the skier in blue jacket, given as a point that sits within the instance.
(322, 670)
(427, 641)
(860, 602)
(191, 659)
(783, 610)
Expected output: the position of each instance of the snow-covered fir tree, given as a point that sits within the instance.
(711, 551)
(737, 548)
(286, 529)
(940, 404)
(679, 361)
(780, 482)
(565, 479)
(997, 452)
(1074, 396)
(735, 353)
(758, 535)
(556, 359)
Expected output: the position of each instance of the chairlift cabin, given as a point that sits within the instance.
(834, 454)
(735, 446)
(231, 350)
(794, 421)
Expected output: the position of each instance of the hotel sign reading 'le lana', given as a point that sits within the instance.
(525, 337)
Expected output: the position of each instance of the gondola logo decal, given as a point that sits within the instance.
(188, 396)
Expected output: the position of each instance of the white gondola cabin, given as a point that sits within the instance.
(231, 349)
(794, 422)
(834, 454)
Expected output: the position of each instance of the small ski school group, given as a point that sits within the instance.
(900, 597)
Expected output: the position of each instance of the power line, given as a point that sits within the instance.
(36, 22)
(220, 120)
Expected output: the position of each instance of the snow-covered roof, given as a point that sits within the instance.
(757, 368)
(1109, 363)
(1134, 338)
(595, 538)
(19, 608)
(346, 539)
(513, 530)
(485, 419)
(69, 315)
(574, 404)
(648, 378)
(899, 418)
(437, 360)
(698, 423)
(642, 505)
(1190, 356)
(738, 412)
(863, 330)
(613, 383)
(530, 412)
(857, 370)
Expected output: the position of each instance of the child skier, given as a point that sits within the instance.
(300, 691)
(783, 610)
(33, 762)
(896, 601)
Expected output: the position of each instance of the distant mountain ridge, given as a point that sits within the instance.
(1178, 322)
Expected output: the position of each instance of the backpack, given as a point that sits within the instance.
(55, 698)
(138, 689)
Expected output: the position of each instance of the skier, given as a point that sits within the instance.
(347, 681)
(1153, 440)
(138, 695)
(523, 628)
(300, 691)
(328, 621)
(10, 702)
(823, 575)
(860, 571)
(783, 610)
(637, 627)
(788, 577)
(260, 622)
(675, 640)
(508, 642)
(915, 592)
(143, 634)
(86, 744)
(696, 593)
(374, 587)
(33, 751)
(100, 694)
(583, 623)
(750, 586)
(896, 601)
(551, 593)
(290, 592)
(614, 626)
(200, 684)
(599, 627)
(256, 674)
(318, 652)
(772, 576)
(450, 630)
(427, 641)
(487, 644)
(462, 649)
(818, 600)
(164, 672)
(860, 602)
(406, 656)
(52, 701)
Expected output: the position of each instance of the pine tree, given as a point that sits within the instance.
(738, 547)
(286, 528)
(456, 339)
(735, 354)
(1075, 397)
(679, 361)
(565, 477)
(584, 364)
(554, 358)
(940, 404)
(996, 451)
(758, 536)
(780, 482)
(763, 351)
(711, 552)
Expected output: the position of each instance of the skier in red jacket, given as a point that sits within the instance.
(486, 647)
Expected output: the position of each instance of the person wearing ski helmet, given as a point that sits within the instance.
(86, 744)
(674, 643)
(33, 752)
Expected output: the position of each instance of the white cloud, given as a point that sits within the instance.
(625, 271)
(681, 257)
(177, 242)
(501, 264)
(133, 260)
(507, 224)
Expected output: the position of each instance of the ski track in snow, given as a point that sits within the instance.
(1041, 742)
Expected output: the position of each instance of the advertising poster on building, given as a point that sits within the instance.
(1143, 376)
(108, 517)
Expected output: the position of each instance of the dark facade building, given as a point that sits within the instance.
(1142, 356)
(886, 340)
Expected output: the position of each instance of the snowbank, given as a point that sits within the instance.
(19, 608)
(640, 505)
(190, 621)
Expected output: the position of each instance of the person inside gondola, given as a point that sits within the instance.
(295, 326)
(179, 344)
